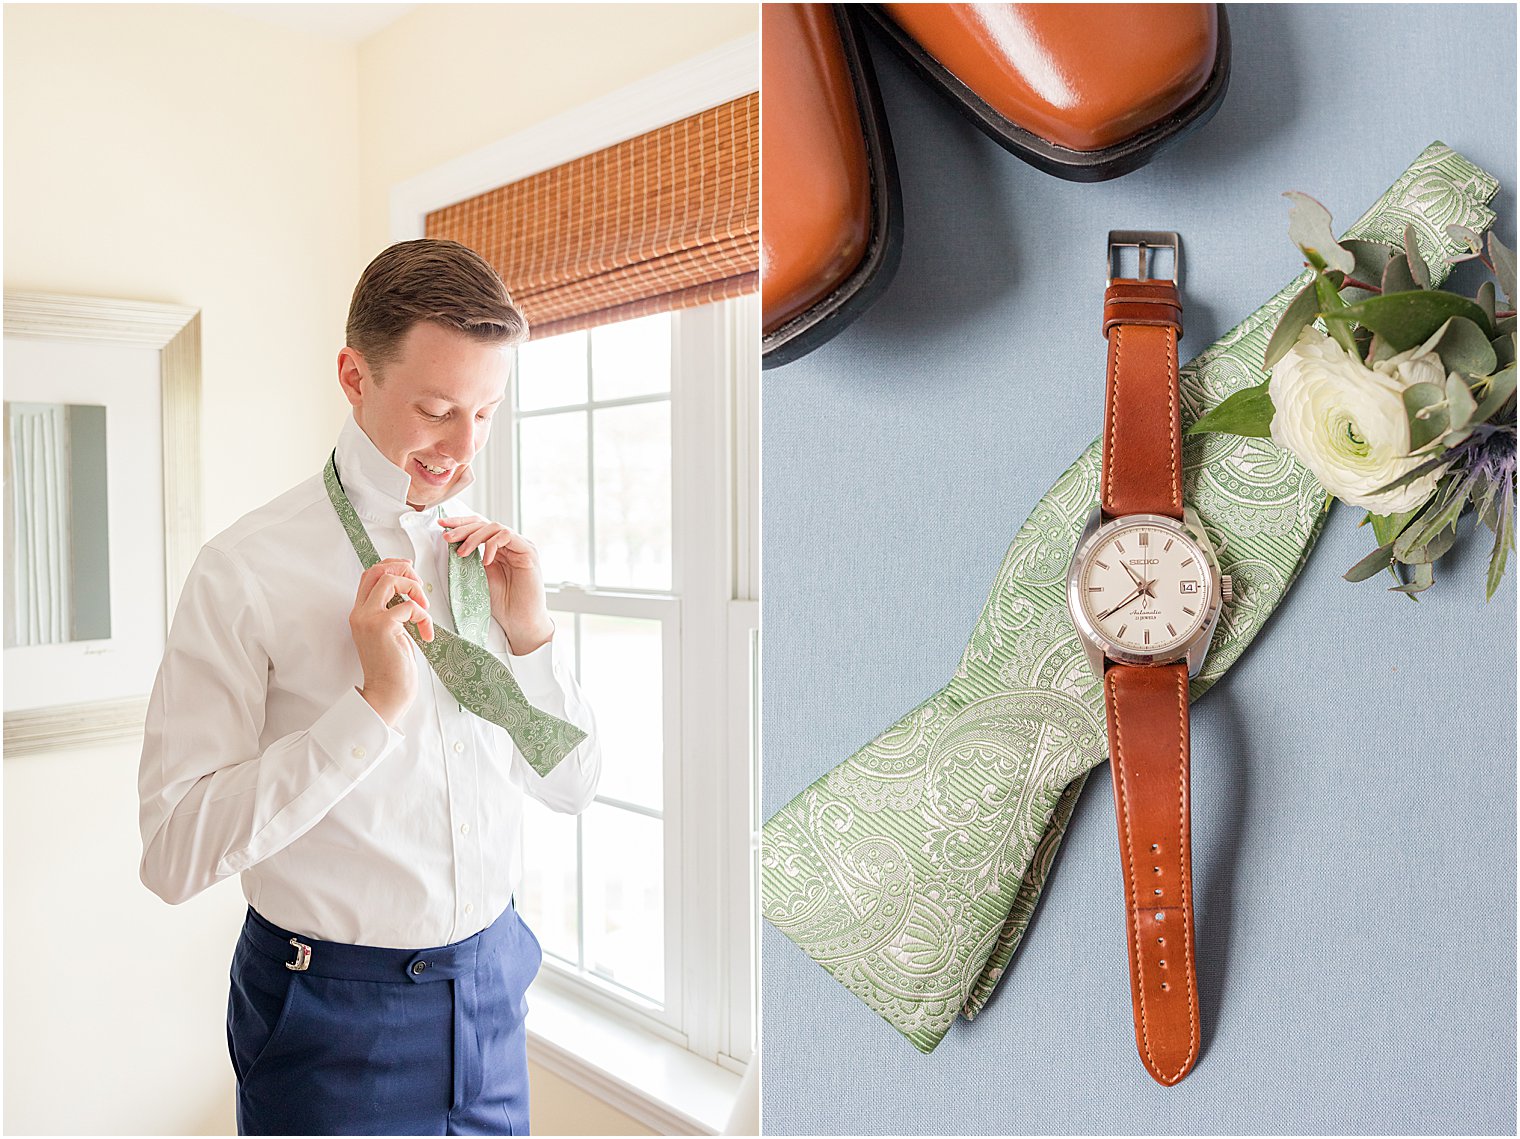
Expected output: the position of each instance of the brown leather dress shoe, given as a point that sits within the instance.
(1083, 91)
(831, 225)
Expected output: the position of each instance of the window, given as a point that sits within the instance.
(630, 463)
(593, 462)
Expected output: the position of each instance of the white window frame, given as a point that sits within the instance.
(498, 472)
(664, 1018)
(708, 853)
(715, 571)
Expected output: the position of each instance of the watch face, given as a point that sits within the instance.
(1145, 587)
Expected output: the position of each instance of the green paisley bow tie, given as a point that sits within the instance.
(911, 870)
(480, 682)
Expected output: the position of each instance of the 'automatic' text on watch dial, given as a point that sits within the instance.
(1145, 588)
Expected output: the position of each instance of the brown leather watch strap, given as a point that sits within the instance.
(1142, 427)
(1148, 753)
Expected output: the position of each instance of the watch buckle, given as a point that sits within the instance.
(1142, 240)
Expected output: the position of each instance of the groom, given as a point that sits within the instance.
(298, 737)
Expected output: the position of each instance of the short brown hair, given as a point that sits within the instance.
(435, 280)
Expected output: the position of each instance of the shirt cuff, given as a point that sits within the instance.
(538, 673)
(353, 735)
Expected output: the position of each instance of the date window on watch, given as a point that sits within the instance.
(1189, 587)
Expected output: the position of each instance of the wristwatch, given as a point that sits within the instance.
(1145, 592)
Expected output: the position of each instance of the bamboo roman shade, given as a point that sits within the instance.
(667, 220)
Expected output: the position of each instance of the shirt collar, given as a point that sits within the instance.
(375, 485)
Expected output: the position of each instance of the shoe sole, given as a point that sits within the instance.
(1063, 162)
(834, 312)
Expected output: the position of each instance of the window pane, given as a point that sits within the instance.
(625, 898)
(631, 357)
(551, 453)
(548, 888)
(552, 372)
(621, 674)
(633, 496)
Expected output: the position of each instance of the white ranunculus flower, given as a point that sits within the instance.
(1417, 366)
(1346, 422)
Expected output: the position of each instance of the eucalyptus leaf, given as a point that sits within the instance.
(1409, 318)
(1379, 351)
(1485, 300)
(1301, 311)
(1426, 406)
(1417, 267)
(1468, 237)
(1424, 578)
(1247, 412)
(1396, 275)
(1503, 259)
(1328, 294)
(1460, 404)
(1463, 347)
(1445, 508)
(1371, 258)
(1417, 534)
(1504, 542)
(1500, 387)
(1432, 549)
(1455, 436)
(1309, 229)
(1387, 527)
(1504, 350)
(1373, 564)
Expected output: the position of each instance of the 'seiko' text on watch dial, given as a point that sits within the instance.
(1146, 588)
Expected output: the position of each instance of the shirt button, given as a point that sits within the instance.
(358, 753)
(464, 828)
(458, 745)
(428, 586)
(468, 908)
(418, 968)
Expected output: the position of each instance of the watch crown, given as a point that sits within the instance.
(1227, 588)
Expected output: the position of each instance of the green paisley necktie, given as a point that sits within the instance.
(480, 682)
(910, 870)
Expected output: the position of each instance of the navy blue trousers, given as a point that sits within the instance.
(370, 1041)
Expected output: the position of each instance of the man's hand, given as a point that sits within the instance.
(512, 572)
(379, 631)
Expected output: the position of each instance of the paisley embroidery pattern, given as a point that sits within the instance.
(480, 682)
(911, 870)
(469, 593)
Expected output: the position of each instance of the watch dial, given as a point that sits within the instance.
(1146, 588)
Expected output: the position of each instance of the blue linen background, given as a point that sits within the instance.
(1353, 775)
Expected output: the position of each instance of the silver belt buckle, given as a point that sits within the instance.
(1143, 240)
(303, 957)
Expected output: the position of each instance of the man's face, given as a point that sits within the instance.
(431, 412)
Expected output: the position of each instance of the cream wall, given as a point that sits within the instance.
(176, 153)
(167, 154)
(447, 79)
(185, 154)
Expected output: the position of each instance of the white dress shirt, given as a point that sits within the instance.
(260, 758)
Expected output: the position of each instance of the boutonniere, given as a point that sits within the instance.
(1399, 397)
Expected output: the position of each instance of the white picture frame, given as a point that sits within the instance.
(142, 360)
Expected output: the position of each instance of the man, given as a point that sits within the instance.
(298, 736)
